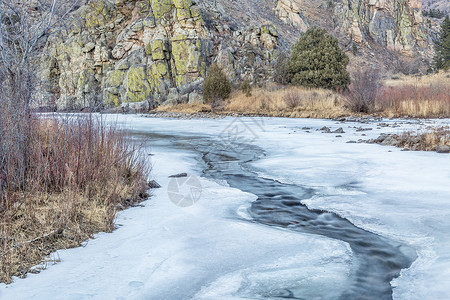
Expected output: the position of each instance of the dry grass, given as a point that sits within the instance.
(276, 102)
(427, 80)
(185, 108)
(428, 140)
(288, 102)
(420, 97)
(78, 173)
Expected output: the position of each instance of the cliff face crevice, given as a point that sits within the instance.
(141, 54)
(290, 12)
(396, 24)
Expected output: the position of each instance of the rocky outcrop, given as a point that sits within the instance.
(138, 54)
(395, 24)
(127, 52)
(289, 12)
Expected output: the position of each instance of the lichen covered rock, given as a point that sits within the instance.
(130, 51)
(395, 24)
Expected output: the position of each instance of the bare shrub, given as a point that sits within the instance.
(407, 66)
(24, 29)
(76, 173)
(360, 96)
(293, 99)
(432, 100)
(281, 68)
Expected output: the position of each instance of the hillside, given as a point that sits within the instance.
(140, 54)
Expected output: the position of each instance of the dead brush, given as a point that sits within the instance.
(415, 101)
(293, 98)
(77, 172)
(427, 140)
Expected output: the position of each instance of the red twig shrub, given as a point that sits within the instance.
(418, 101)
(360, 96)
(71, 153)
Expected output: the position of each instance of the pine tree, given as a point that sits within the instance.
(442, 46)
(216, 86)
(317, 61)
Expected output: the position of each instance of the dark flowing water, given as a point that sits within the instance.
(378, 259)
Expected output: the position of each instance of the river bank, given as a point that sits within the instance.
(213, 249)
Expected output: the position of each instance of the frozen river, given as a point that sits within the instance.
(271, 209)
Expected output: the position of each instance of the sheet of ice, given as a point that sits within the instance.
(206, 251)
(401, 195)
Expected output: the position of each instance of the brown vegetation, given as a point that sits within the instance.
(421, 97)
(408, 96)
(428, 140)
(362, 93)
(414, 101)
(185, 108)
(288, 102)
(65, 186)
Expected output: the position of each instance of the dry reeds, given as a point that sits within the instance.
(287, 102)
(415, 96)
(427, 140)
(74, 175)
(415, 101)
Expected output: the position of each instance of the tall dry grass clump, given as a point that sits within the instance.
(60, 184)
(424, 101)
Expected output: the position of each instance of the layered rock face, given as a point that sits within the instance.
(141, 54)
(127, 52)
(289, 11)
(395, 24)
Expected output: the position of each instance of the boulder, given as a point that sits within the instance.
(339, 130)
(88, 47)
(195, 98)
(325, 129)
(173, 98)
(443, 149)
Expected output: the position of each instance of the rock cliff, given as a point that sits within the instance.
(395, 24)
(127, 52)
(140, 54)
